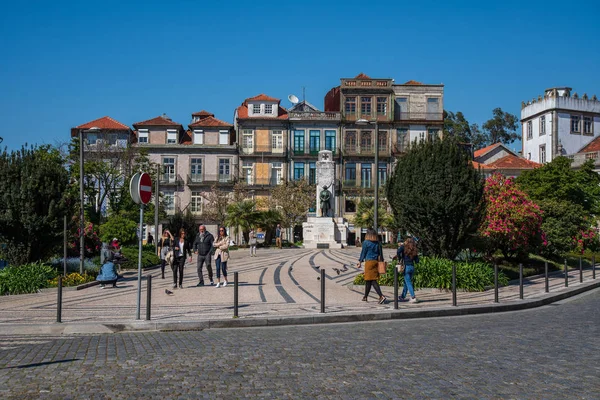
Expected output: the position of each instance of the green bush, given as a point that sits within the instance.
(90, 266)
(435, 272)
(149, 258)
(28, 278)
(73, 279)
(118, 226)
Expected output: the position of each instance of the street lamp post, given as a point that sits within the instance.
(376, 200)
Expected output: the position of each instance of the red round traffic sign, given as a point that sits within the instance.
(145, 188)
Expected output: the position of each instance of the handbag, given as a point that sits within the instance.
(381, 265)
(401, 266)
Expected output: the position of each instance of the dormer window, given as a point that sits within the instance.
(171, 136)
(268, 109)
(143, 136)
(198, 136)
(255, 108)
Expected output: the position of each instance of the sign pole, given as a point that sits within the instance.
(140, 189)
(139, 288)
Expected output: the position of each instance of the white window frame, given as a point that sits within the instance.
(268, 109)
(198, 175)
(247, 141)
(588, 122)
(172, 173)
(575, 123)
(171, 136)
(143, 135)
(542, 153)
(256, 109)
(248, 172)
(277, 141)
(542, 125)
(169, 200)
(196, 203)
(198, 136)
(224, 134)
(228, 174)
(277, 169)
(529, 130)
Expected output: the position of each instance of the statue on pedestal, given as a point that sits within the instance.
(325, 196)
(325, 181)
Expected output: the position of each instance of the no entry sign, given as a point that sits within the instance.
(140, 188)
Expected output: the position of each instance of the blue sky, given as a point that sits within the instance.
(65, 63)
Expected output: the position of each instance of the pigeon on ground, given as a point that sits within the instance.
(167, 291)
(345, 268)
(337, 270)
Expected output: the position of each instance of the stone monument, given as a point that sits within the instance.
(324, 230)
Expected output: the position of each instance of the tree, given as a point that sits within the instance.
(181, 220)
(569, 199)
(501, 128)
(365, 211)
(512, 222)
(456, 125)
(121, 227)
(293, 199)
(267, 220)
(33, 182)
(437, 195)
(242, 215)
(215, 207)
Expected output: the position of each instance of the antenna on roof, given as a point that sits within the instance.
(293, 99)
(303, 93)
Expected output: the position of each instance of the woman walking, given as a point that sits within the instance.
(221, 255)
(252, 242)
(370, 254)
(180, 248)
(164, 246)
(408, 252)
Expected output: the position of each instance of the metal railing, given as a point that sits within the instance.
(170, 179)
(263, 150)
(315, 116)
(426, 116)
(208, 179)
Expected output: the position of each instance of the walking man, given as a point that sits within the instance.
(278, 236)
(202, 247)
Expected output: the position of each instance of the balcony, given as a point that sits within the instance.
(261, 181)
(315, 116)
(349, 183)
(419, 116)
(170, 179)
(577, 160)
(209, 179)
(260, 150)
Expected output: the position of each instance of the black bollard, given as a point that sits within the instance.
(593, 267)
(235, 295)
(566, 275)
(148, 297)
(322, 290)
(396, 288)
(580, 270)
(495, 282)
(454, 285)
(546, 276)
(521, 281)
(59, 301)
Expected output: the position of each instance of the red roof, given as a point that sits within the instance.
(158, 121)
(263, 97)
(479, 165)
(210, 121)
(203, 113)
(411, 82)
(594, 145)
(513, 162)
(104, 123)
(485, 150)
(242, 113)
(362, 76)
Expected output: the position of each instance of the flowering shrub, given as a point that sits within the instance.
(90, 266)
(586, 239)
(512, 222)
(91, 242)
(73, 279)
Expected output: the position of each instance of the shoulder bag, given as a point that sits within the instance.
(381, 265)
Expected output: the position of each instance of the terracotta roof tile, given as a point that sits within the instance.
(104, 123)
(158, 121)
(242, 113)
(203, 113)
(186, 138)
(263, 97)
(411, 82)
(485, 150)
(210, 121)
(594, 145)
(513, 162)
(362, 76)
(479, 165)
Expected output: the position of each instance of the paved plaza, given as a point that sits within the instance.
(276, 284)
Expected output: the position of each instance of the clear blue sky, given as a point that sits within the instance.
(65, 63)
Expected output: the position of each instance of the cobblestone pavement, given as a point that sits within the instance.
(276, 283)
(550, 352)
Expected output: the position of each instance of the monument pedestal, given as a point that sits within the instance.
(324, 233)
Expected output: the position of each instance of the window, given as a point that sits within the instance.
(224, 170)
(350, 206)
(171, 136)
(198, 136)
(276, 173)
(421, 137)
(587, 126)
(277, 141)
(365, 106)
(382, 174)
(401, 111)
(299, 141)
(92, 138)
(168, 169)
(247, 141)
(366, 143)
(433, 107)
(433, 134)
(223, 137)
(382, 141)
(142, 136)
(542, 153)
(255, 108)
(247, 172)
(330, 140)
(401, 139)
(196, 202)
(298, 170)
(529, 130)
(350, 175)
(169, 199)
(381, 105)
(350, 141)
(575, 122)
(542, 125)
(365, 175)
(312, 173)
(350, 106)
(315, 141)
(196, 169)
(269, 109)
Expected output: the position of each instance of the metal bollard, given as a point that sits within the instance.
(396, 288)
(148, 297)
(59, 301)
(580, 270)
(235, 294)
(593, 267)
(495, 282)
(566, 275)
(546, 276)
(521, 281)
(322, 290)
(454, 285)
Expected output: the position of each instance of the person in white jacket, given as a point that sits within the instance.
(221, 244)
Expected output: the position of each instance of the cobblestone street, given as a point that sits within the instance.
(550, 352)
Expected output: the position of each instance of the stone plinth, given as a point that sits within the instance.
(323, 232)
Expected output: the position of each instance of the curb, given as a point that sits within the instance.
(145, 326)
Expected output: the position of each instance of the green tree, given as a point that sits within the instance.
(293, 199)
(33, 182)
(216, 203)
(267, 220)
(437, 195)
(121, 227)
(365, 211)
(181, 220)
(502, 127)
(456, 125)
(241, 215)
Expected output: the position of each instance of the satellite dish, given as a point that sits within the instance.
(293, 99)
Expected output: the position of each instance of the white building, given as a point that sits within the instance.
(558, 123)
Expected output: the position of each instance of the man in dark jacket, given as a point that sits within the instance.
(202, 247)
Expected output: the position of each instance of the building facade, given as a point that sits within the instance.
(558, 123)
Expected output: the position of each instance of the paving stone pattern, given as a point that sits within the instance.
(546, 353)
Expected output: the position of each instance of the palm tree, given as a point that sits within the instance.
(364, 217)
(267, 220)
(241, 215)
